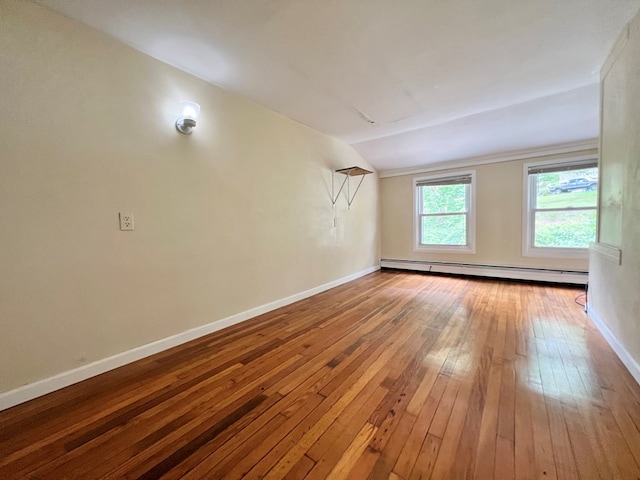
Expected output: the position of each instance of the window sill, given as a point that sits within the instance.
(465, 249)
(551, 252)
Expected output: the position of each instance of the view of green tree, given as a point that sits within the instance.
(568, 229)
(444, 230)
(546, 179)
(444, 199)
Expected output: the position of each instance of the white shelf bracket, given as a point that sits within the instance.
(334, 197)
(347, 172)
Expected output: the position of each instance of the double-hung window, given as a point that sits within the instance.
(445, 219)
(561, 201)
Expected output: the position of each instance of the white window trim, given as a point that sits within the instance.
(470, 248)
(528, 250)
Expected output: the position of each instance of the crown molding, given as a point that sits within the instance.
(584, 147)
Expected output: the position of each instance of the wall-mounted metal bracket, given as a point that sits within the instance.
(348, 173)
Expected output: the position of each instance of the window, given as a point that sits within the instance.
(444, 213)
(561, 206)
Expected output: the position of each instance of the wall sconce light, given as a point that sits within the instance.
(187, 120)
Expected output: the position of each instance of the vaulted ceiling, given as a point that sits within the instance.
(406, 82)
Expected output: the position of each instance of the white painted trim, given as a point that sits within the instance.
(64, 379)
(588, 148)
(615, 52)
(624, 356)
(608, 252)
(514, 273)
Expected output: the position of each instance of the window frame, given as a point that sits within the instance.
(528, 213)
(470, 200)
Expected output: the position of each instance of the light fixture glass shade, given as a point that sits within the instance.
(190, 112)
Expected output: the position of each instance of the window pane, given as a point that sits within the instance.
(576, 188)
(444, 199)
(565, 229)
(445, 230)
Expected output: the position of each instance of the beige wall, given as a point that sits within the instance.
(614, 289)
(499, 212)
(237, 215)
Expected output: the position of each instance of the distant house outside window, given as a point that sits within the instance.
(444, 213)
(561, 200)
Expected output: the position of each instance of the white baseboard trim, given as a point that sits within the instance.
(624, 356)
(64, 379)
(514, 273)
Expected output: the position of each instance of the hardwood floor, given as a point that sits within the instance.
(393, 376)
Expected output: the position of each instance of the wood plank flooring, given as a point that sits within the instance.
(393, 376)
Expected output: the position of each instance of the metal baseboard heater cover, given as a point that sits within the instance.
(494, 271)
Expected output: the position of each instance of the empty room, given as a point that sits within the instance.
(296, 239)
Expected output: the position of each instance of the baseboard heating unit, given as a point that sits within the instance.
(494, 271)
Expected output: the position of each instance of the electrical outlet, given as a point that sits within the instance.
(126, 221)
(336, 222)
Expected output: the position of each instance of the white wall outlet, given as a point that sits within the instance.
(126, 221)
(336, 222)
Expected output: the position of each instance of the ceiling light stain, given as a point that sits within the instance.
(364, 117)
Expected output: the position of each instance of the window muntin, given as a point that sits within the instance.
(444, 213)
(563, 199)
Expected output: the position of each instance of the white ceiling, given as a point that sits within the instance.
(441, 79)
